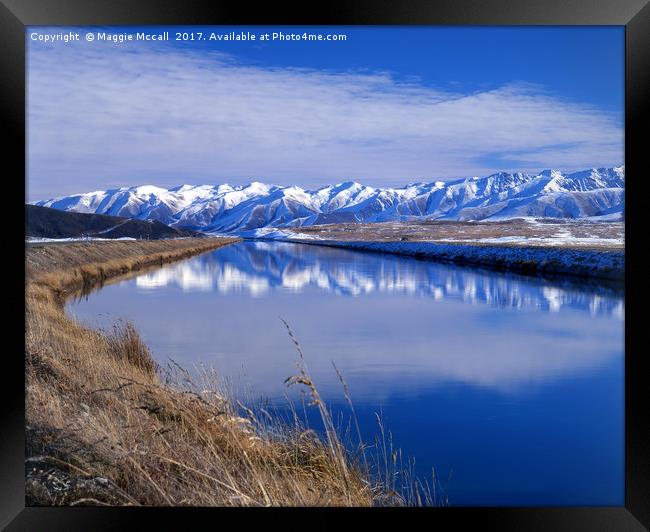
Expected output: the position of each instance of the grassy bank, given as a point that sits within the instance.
(107, 426)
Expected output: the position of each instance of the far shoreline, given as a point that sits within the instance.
(568, 248)
(544, 260)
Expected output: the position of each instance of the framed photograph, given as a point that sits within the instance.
(376, 258)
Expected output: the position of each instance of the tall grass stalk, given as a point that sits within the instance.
(107, 425)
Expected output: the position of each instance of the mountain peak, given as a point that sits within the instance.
(552, 173)
(347, 184)
(225, 208)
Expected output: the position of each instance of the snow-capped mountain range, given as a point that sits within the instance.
(225, 208)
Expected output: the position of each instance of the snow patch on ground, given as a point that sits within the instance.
(272, 233)
(530, 256)
(560, 239)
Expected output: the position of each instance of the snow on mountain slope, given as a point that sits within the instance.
(224, 208)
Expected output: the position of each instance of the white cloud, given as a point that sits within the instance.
(102, 116)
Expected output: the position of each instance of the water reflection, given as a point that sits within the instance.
(513, 383)
(395, 325)
(259, 268)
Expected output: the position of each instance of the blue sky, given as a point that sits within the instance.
(387, 106)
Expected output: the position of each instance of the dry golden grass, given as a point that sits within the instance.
(104, 429)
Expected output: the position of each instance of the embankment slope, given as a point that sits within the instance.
(105, 425)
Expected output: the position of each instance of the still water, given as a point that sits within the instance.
(510, 388)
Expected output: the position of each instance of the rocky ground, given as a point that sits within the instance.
(584, 247)
(530, 232)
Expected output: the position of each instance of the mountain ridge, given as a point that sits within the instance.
(227, 208)
(43, 222)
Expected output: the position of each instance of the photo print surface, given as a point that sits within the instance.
(326, 265)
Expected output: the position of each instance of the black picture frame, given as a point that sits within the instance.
(15, 15)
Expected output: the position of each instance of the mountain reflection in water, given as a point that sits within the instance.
(513, 383)
(262, 267)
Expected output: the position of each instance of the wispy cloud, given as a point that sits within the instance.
(102, 116)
